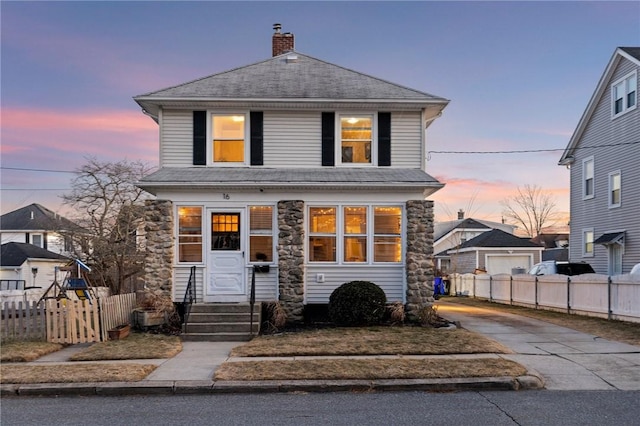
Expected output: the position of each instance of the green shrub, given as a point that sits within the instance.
(357, 303)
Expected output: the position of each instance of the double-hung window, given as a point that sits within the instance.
(261, 233)
(624, 94)
(587, 243)
(228, 138)
(322, 234)
(588, 178)
(387, 227)
(189, 234)
(615, 189)
(37, 240)
(355, 234)
(356, 138)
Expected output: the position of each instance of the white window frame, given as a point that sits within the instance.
(210, 161)
(585, 241)
(612, 175)
(37, 234)
(340, 234)
(628, 84)
(272, 233)
(585, 177)
(374, 138)
(177, 235)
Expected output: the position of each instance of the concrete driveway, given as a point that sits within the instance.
(565, 358)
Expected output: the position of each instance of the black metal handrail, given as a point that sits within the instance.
(189, 297)
(252, 298)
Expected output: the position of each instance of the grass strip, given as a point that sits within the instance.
(370, 341)
(28, 374)
(135, 346)
(367, 369)
(25, 351)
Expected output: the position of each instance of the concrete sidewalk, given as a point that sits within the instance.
(556, 357)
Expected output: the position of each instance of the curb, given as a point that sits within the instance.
(281, 386)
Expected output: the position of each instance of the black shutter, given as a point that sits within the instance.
(328, 138)
(44, 241)
(384, 139)
(255, 121)
(199, 138)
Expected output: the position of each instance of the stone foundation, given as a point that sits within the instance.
(291, 258)
(160, 243)
(419, 256)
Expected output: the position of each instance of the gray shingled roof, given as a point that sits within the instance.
(35, 217)
(15, 254)
(288, 177)
(279, 79)
(498, 238)
(633, 51)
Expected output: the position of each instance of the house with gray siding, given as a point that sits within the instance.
(604, 156)
(293, 173)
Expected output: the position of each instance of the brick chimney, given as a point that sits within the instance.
(281, 43)
(460, 214)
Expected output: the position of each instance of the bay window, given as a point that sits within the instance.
(189, 234)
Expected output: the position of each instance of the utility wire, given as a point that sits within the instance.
(37, 170)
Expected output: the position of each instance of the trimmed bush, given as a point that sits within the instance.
(357, 303)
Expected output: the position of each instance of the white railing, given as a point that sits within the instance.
(615, 297)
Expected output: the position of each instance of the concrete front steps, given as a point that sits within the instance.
(221, 322)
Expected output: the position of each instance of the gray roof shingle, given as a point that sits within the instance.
(35, 217)
(633, 51)
(15, 254)
(287, 177)
(498, 238)
(304, 78)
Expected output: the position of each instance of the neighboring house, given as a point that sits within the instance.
(310, 170)
(495, 252)
(555, 246)
(450, 234)
(37, 225)
(603, 155)
(31, 265)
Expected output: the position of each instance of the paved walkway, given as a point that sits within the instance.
(565, 358)
(559, 357)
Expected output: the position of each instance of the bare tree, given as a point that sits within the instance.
(531, 208)
(109, 207)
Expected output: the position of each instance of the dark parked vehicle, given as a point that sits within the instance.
(550, 267)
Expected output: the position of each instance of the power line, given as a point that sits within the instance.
(526, 151)
(36, 170)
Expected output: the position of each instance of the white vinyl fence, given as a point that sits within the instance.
(615, 297)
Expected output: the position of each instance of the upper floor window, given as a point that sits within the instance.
(356, 139)
(189, 234)
(260, 233)
(587, 178)
(587, 242)
(37, 240)
(624, 94)
(615, 188)
(228, 134)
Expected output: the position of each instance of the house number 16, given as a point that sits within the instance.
(226, 196)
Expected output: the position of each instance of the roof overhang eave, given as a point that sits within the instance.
(428, 188)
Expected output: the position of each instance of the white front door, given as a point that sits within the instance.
(225, 260)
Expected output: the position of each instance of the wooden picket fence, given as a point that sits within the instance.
(66, 321)
(23, 321)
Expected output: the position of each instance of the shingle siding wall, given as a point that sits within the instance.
(291, 139)
(595, 213)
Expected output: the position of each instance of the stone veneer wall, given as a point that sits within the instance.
(291, 258)
(158, 270)
(419, 259)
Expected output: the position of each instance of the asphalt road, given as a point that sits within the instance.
(542, 407)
